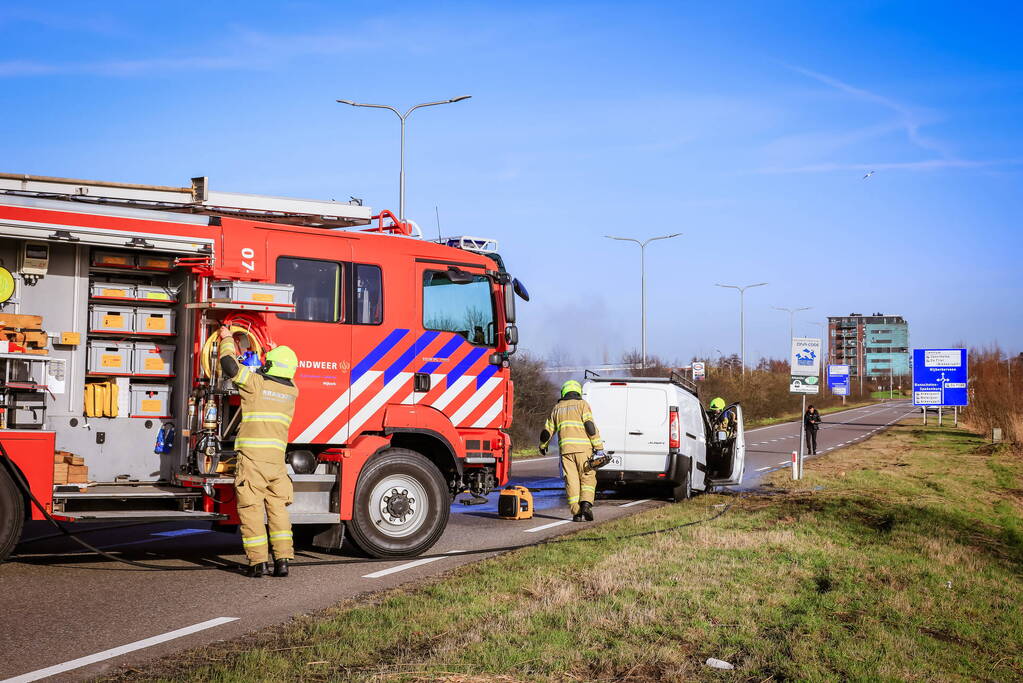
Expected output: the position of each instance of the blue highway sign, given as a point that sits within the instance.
(940, 377)
(838, 379)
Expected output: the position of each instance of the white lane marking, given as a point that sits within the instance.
(407, 565)
(488, 417)
(117, 651)
(454, 390)
(635, 502)
(548, 526)
(337, 407)
(761, 469)
(785, 462)
(477, 398)
(369, 410)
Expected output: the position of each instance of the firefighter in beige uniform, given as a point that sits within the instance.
(578, 439)
(261, 480)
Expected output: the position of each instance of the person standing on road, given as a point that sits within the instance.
(811, 423)
(261, 481)
(578, 440)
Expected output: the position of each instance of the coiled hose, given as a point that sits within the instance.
(250, 326)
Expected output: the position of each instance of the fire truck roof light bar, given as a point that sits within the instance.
(197, 197)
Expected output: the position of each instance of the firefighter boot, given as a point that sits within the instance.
(578, 517)
(586, 510)
(257, 571)
(281, 567)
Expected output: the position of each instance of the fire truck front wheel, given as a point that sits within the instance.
(12, 514)
(401, 505)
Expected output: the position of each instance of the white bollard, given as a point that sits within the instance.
(795, 465)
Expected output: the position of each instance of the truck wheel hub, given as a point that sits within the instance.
(398, 505)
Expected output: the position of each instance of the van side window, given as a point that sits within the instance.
(317, 288)
(467, 309)
(368, 292)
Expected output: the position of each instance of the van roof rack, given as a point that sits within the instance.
(674, 378)
(198, 198)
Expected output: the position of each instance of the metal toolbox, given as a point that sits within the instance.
(154, 321)
(150, 400)
(113, 259)
(103, 318)
(28, 411)
(109, 357)
(267, 293)
(156, 293)
(112, 290)
(156, 360)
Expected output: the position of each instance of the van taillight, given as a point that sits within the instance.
(674, 440)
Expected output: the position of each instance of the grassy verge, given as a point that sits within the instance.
(789, 417)
(897, 393)
(898, 558)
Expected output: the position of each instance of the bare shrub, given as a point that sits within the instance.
(996, 394)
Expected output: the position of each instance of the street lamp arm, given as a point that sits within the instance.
(431, 104)
(729, 286)
(623, 239)
(373, 106)
(662, 237)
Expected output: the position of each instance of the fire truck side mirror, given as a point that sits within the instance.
(511, 335)
(509, 304)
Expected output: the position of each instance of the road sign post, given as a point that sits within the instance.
(804, 378)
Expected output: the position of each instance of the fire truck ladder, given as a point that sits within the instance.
(198, 198)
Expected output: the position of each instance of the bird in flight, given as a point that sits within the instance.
(868, 175)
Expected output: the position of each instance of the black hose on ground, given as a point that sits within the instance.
(19, 481)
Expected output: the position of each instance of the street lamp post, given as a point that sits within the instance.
(792, 318)
(402, 117)
(642, 276)
(742, 319)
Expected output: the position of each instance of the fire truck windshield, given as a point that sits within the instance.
(467, 309)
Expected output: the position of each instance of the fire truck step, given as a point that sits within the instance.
(121, 492)
(136, 516)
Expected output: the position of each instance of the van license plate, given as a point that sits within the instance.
(616, 461)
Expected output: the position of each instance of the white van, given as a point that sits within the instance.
(657, 432)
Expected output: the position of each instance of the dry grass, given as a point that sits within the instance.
(899, 558)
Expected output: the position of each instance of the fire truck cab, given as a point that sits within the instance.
(112, 397)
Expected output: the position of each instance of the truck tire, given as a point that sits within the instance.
(12, 514)
(401, 506)
(684, 489)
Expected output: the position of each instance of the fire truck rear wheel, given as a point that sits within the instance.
(401, 505)
(12, 514)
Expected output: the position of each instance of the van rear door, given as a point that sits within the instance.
(608, 401)
(646, 437)
(733, 464)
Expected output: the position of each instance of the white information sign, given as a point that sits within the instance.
(942, 358)
(699, 371)
(806, 357)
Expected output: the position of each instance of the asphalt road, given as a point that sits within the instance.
(70, 616)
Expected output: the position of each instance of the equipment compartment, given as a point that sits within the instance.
(156, 293)
(112, 290)
(111, 318)
(253, 292)
(113, 259)
(154, 321)
(109, 357)
(150, 400)
(155, 360)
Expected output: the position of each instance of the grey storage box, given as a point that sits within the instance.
(112, 290)
(155, 360)
(150, 400)
(266, 293)
(28, 411)
(154, 321)
(103, 318)
(113, 259)
(109, 357)
(156, 293)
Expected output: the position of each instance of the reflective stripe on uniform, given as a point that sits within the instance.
(589, 489)
(279, 535)
(243, 375)
(248, 541)
(573, 499)
(571, 423)
(282, 418)
(242, 442)
(574, 442)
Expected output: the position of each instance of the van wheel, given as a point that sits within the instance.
(684, 490)
(401, 505)
(12, 514)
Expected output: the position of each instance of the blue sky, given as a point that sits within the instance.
(749, 132)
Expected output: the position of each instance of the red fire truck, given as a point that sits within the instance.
(120, 415)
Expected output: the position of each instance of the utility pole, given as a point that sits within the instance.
(642, 279)
(402, 117)
(742, 319)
